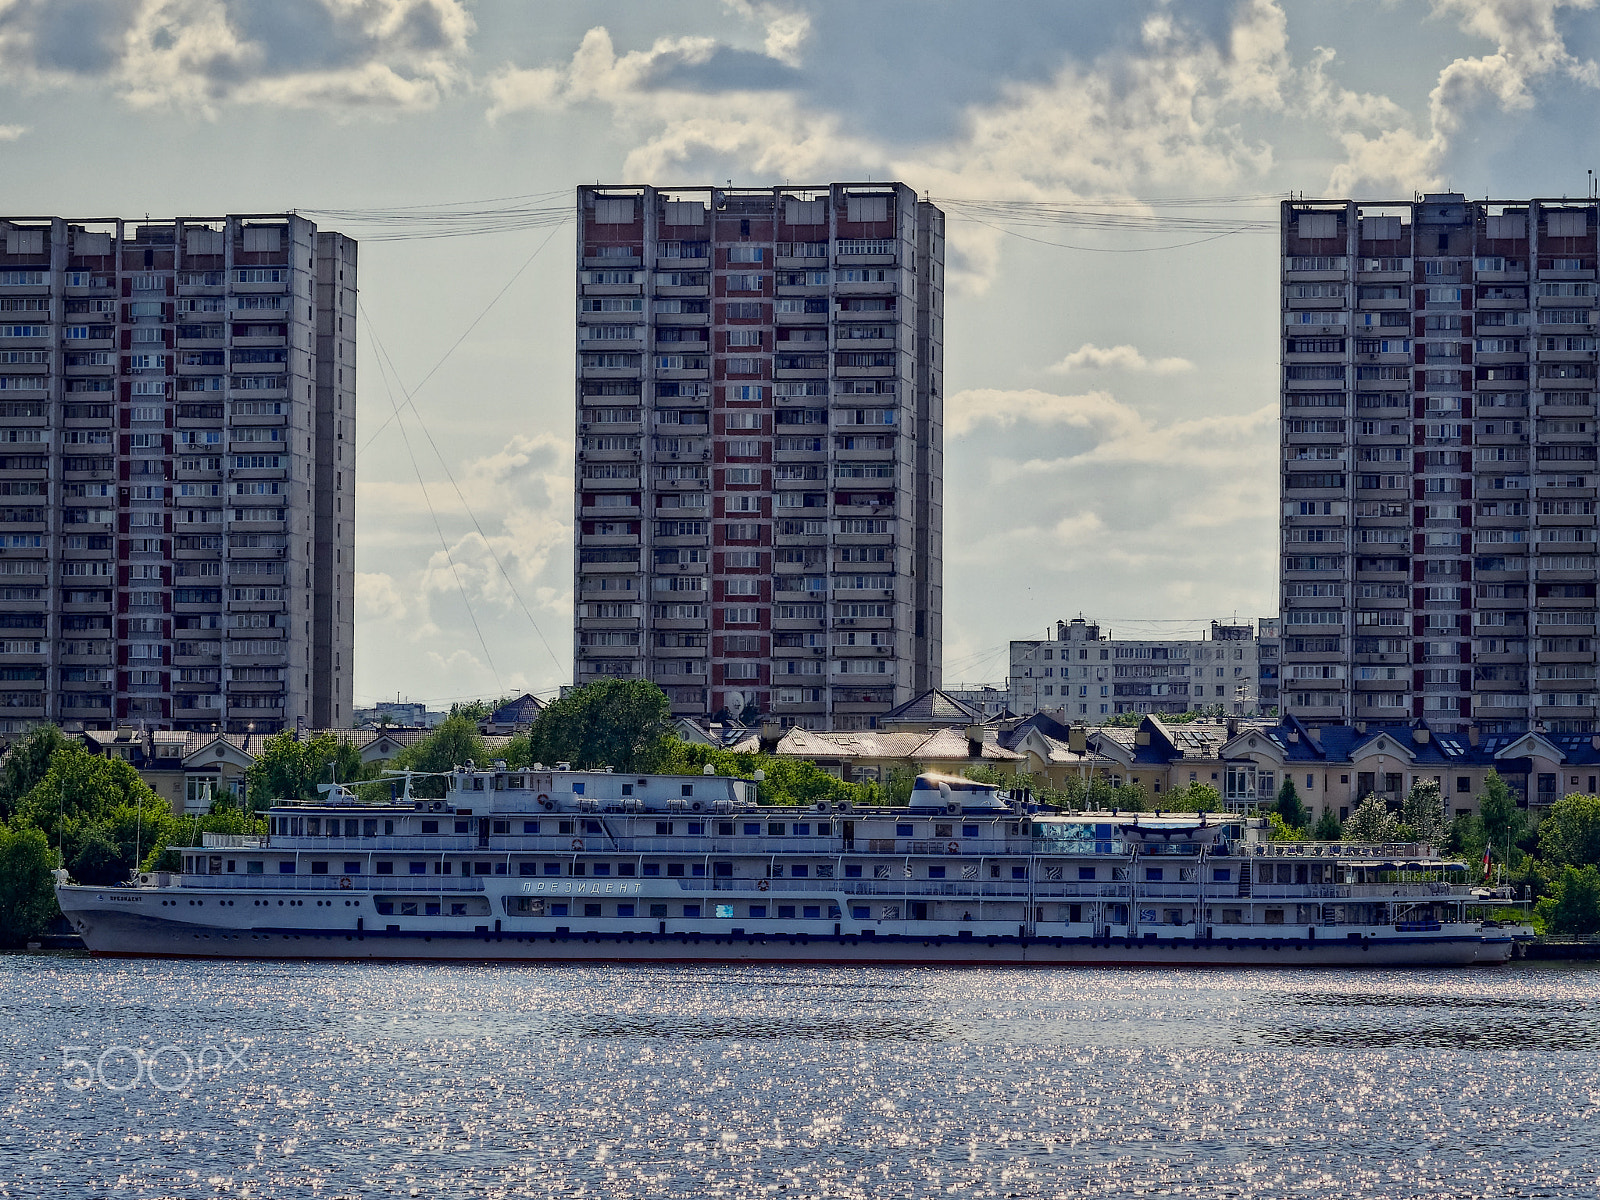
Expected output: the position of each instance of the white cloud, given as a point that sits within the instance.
(1116, 432)
(766, 130)
(787, 30)
(378, 598)
(371, 55)
(424, 602)
(1089, 357)
(1529, 48)
(966, 410)
(10, 133)
(1118, 513)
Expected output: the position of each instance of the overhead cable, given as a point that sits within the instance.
(427, 500)
(516, 276)
(467, 508)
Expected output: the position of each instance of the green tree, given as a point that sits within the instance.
(1574, 905)
(1371, 822)
(1570, 834)
(898, 783)
(518, 752)
(1197, 797)
(27, 893)
(1101, 794)
(478, 710)
(1464, 837)
(1422, 811)
(1290, 808)
(1131, 797)
(618, 723)
(289, 768)
(1073, 794)
(25, 765)
(81, 789)
(1503, 821)
(454, 743)
(99, 861)
(1279, 830)
(788, 781)
(99, 812)
(1328, 828)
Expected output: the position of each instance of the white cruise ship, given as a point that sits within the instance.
(543, 864)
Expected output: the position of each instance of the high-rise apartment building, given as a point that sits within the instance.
(1438, 469)
(759, 447)
(177, 413)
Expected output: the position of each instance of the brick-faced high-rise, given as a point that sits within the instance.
(1439, 462)
(759, 447)
(177, 407)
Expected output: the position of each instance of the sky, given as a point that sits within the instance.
(1111, 173)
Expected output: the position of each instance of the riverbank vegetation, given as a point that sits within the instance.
(64, 806)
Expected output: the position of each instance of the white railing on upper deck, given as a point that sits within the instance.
(1012, 888)
(1410, 851)
(231, 841)
(685, 847)
(331, 883)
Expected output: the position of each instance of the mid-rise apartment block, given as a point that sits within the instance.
(759, 447)
(1439, 462)
(177, 413)
(1089, 676)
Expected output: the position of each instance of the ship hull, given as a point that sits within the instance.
(119, 924)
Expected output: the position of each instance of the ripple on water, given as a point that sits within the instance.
(462, 1080)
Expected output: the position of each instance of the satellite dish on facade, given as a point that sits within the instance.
(736, 702)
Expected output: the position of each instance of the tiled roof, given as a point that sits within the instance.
(178, 743)
(933, 707)
(524, 710)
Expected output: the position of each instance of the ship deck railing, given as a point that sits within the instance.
(1348, 891)
(232, 841)
(603, 843)
(1405, 851)
(333, 883)
(1009, 889)
(686, 847)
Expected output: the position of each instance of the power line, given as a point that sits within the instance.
(518, 275)
(426, 499)
(450, 475)
(421, 222)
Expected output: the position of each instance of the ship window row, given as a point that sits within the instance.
(419, 908)
(670, 870)
(783, 912)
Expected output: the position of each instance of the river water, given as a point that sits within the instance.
(272, 1080)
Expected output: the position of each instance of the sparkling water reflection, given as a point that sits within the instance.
(418, 1080)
